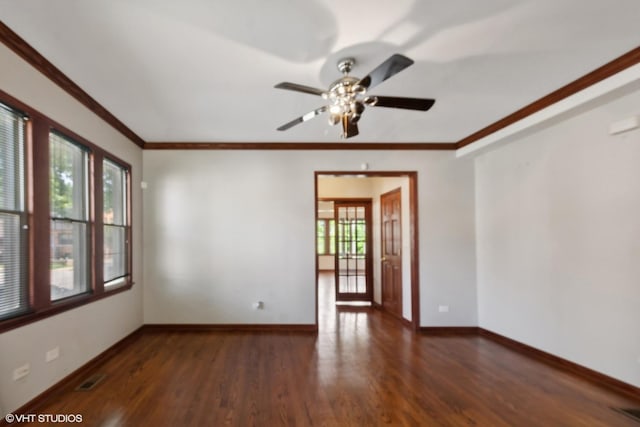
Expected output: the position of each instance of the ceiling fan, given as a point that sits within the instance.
(348, 97)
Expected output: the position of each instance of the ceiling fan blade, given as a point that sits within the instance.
(299, 88)
(349, 127)
(393, 65)
(310, 115)
(422, 104)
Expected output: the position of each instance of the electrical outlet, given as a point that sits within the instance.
(21, 372)
(443, 308)
(52, 354)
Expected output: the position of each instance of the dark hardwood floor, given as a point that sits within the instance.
(363, 368)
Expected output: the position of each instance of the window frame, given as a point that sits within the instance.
(126, 277)
(86, 207)
(36, 158)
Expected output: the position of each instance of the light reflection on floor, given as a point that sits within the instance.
(343, 338)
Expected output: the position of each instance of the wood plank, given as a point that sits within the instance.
(361, 368)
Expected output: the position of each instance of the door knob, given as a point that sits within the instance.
(383, 259)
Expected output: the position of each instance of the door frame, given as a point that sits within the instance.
(413, 232)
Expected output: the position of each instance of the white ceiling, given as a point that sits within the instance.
(204, 70)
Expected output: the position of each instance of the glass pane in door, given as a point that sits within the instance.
(352, 250)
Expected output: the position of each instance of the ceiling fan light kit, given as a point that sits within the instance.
(347, 96)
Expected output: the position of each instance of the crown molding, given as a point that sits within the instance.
(300, 146)
(609, 69)
(23, 49)
(40, 63)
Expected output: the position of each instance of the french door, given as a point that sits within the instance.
(353, 266)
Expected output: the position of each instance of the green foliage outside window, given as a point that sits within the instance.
(326, 233)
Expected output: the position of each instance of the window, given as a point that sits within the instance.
(13, 224)
(69, 205)
(114, 191)
(65, 221)
(326, 239)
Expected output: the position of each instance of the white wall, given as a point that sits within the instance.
(226, 228)
(84, 332)
(558, 239)
(326, 263)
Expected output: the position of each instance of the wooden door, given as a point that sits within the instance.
(353, 251)
(391, 236)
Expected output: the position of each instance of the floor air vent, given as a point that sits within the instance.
(632, 413)
(90, 382)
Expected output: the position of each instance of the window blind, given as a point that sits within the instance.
(13, 226)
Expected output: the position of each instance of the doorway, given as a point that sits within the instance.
(408, 303)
